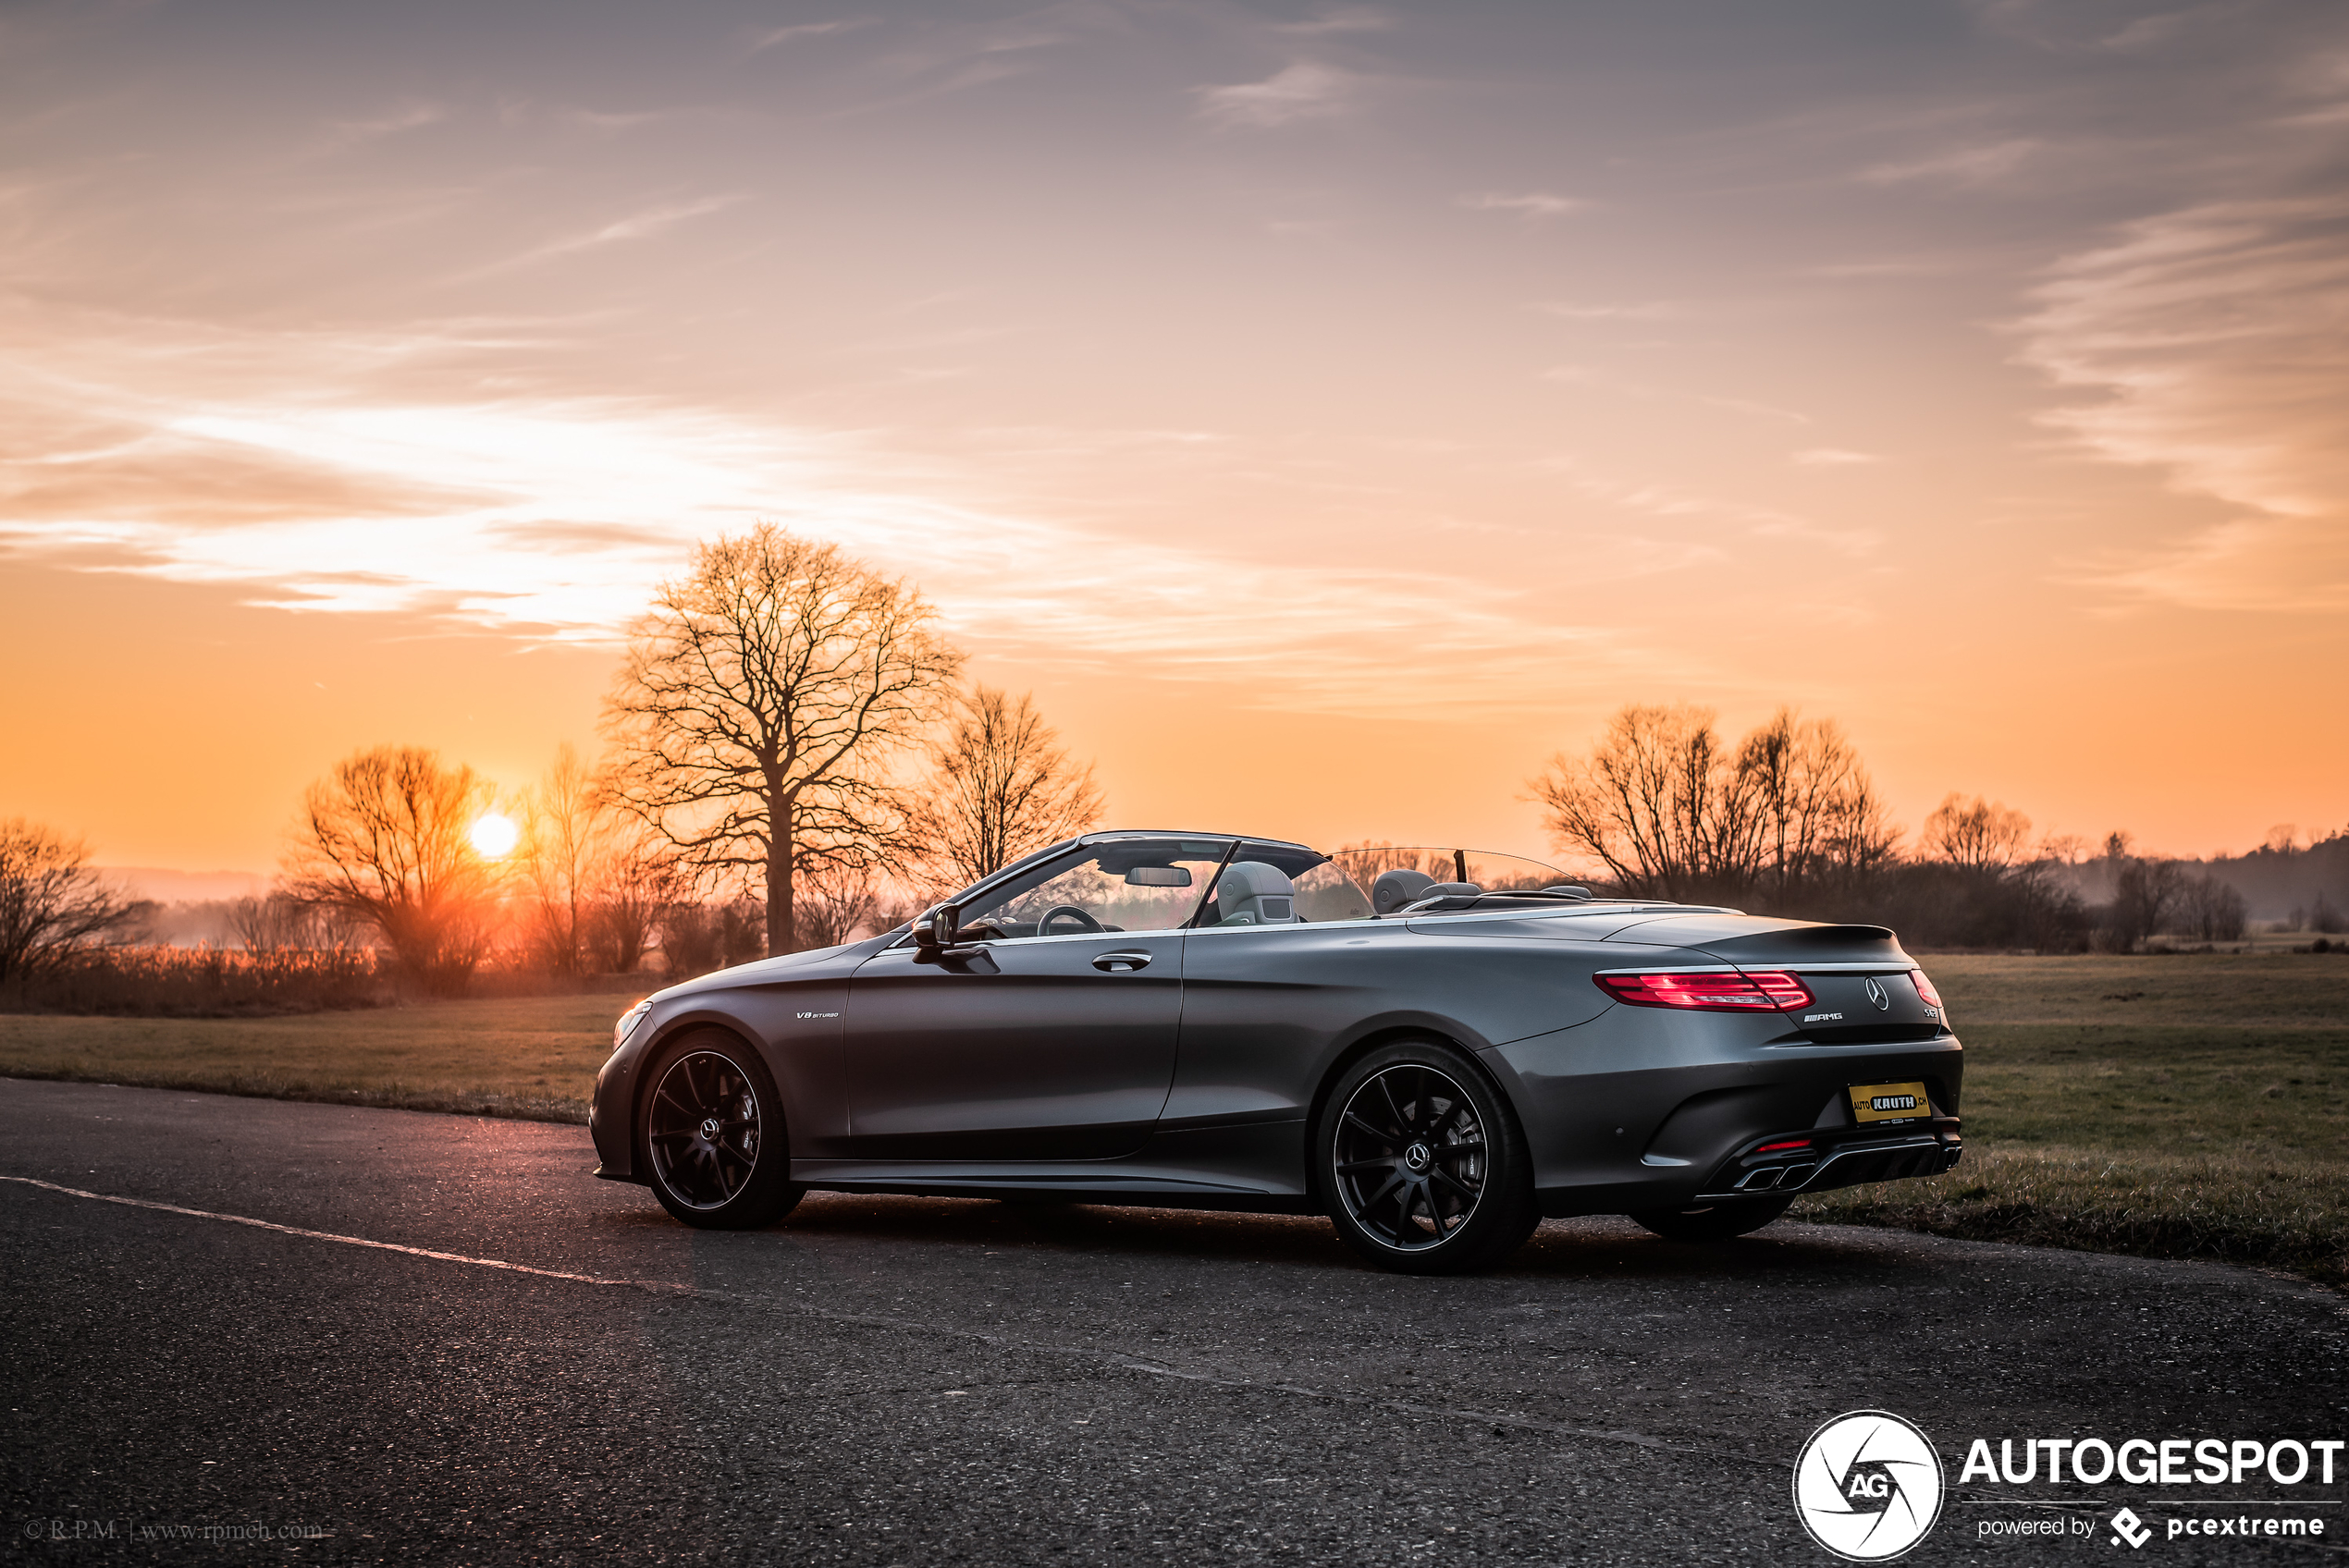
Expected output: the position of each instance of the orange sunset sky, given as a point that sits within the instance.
(1329, 411)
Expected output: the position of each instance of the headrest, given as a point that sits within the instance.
(1252, 879)
(1395, 889)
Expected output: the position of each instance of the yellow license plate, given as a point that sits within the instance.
(1889, 1102)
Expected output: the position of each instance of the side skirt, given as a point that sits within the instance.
(1140, 1189)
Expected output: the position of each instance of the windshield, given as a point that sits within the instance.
(1124, 885)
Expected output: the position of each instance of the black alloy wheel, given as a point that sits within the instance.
(1423, 1167)
(1715, 1222)
(712, 1137)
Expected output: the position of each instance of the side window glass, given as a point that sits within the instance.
(1130, 884)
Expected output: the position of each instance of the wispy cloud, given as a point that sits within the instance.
(1586, 375)
(1833, 457)
(1302, 91)
(1339, 19)
(1979, 164)
(2213, 343)
(642, 225)
(410, 115)
(549, 519)
(1526, 203)
(1661, 499)
(1643, 310)
(799, 32)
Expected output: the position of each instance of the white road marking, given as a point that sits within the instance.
(1124, 1360)
(347, 1241)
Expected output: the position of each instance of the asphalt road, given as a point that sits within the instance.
(898, 1380)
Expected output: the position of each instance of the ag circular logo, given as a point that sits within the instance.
(1868, 1485)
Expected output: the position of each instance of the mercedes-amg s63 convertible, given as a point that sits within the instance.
(1434, 1048)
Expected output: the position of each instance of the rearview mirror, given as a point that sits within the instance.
(1159, 876)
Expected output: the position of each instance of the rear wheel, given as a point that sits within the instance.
(1422, 1162)
(1714, 1222)
(712, 1137)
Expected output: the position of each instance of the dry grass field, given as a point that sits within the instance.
(2185, 1105)
(530, 1057)
(2177, 1106)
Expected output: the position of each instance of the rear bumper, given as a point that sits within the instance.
(1845, 1163)
(1663, 1113)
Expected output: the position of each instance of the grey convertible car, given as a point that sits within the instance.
(1435, 1047)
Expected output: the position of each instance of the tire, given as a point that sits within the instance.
(710, 1138)
(1422, 1164)
(1716, 1222)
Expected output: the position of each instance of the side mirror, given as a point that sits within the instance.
(934, 932)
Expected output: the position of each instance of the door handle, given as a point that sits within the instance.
(1123, 963)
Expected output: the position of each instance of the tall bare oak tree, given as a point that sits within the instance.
(761, 702)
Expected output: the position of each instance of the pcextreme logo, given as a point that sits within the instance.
(1868, 1485)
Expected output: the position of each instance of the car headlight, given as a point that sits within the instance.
(628, 1022)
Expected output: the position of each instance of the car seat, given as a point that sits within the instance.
(1252, 893)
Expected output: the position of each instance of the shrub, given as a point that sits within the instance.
(202, 983)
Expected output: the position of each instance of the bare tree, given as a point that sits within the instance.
(383, 839)
(1654, 804)
(51, 904)
(282, 922)
(2143, 896)
(2210, 909)
(835, 902)
(1671, 811)
(639, 877)
(1981, 835)
(760, 703)
(999, 786)
(1816, 812)
(567, 826)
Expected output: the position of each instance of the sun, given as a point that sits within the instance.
(493, 836)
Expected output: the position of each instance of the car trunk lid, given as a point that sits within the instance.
(1861, 984)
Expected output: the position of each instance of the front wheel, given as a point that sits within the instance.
(1715, 1222)
(711, 1140)
(1421, 1163)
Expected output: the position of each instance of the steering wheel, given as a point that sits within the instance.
(1045, 926)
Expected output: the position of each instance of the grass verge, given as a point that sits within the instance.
(534, 1057)
(2288, 1214)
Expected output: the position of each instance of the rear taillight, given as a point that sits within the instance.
(1924, 988)
(1763, 991)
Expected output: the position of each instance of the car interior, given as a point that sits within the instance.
(1154, 885)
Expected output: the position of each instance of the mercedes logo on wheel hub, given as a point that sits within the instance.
(1419, 1156)
(709, 1128)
